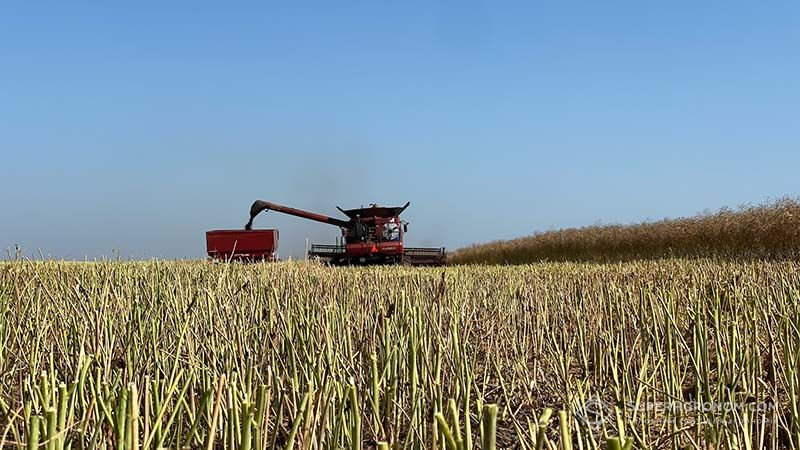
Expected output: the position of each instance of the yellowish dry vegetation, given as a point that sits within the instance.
(770, 230)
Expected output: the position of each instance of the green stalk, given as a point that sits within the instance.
(33, 433)
(119, 417)
(133, 417)
(62, 415)
(489, 427)
(260, 416)
(247, 421)
(376, 391)
(449, 442)
(44, 390)
(50, 417)
(212, 428)
(467, 418)
(612, 443)
(298, 418)
(451, 406)
(540, 435)
(355, 431)
(566, 434)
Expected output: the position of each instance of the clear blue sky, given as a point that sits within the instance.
(136, 128)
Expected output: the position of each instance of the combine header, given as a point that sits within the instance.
(371, 235)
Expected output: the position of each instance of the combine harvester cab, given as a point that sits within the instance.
(242, 245)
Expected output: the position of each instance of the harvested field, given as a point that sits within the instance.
(133, 355)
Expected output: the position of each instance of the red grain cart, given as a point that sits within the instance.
(242, 245)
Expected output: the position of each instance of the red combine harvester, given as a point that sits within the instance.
(371, 235)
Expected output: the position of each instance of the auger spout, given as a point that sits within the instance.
(261, 205)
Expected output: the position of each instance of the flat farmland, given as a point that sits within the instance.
(675, 353)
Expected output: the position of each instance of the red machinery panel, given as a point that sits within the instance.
(248, 245)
